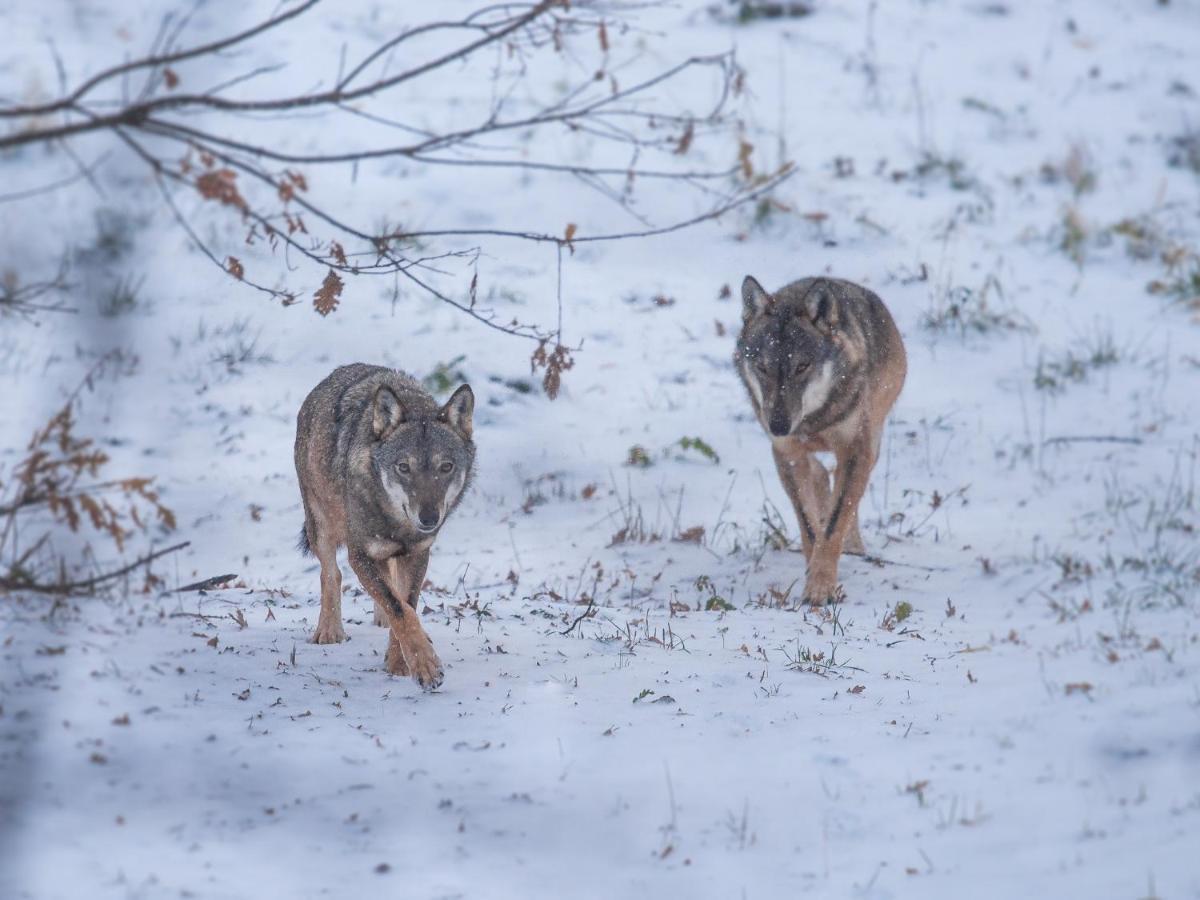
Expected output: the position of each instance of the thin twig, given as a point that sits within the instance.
(587, 612)
(153, 61)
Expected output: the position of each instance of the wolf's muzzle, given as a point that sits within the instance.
(780, 423)
(428, 519)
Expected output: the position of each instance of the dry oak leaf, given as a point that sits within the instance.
(325, 300)
(220, 185)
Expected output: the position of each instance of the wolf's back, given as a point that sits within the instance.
(863, 315)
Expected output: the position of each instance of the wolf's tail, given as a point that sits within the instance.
(302, 544)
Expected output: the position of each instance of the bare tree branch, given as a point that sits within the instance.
(233, 166)
(11, 584)
(72, 100)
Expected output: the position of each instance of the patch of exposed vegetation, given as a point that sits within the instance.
(971, 310)
(1055, 373)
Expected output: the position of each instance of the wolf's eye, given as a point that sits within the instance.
(446, 468)
(403, 468)
(802, 366)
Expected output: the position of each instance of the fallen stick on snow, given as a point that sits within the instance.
(206, 585)
(1095, 438)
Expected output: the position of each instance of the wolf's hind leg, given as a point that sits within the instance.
(818, 483)
(854, 543)
(381, 617)
(329, 623)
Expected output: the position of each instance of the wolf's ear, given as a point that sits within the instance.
(388, 412)
(458, 410)
(754, 299)
(821, 309)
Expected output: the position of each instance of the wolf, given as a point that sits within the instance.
(823, 363)
(381, 466)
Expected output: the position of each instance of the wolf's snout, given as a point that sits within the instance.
(780, 423)
(428, 518)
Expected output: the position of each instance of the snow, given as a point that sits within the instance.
(1033, 727)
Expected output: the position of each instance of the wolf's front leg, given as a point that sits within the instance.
(408, 638)
(409, 651)
(806, 482)
(854, 465)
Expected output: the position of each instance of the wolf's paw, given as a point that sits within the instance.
(329, 633)
(818, 592)
(425, 667)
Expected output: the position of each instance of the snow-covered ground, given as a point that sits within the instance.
(1030, 727)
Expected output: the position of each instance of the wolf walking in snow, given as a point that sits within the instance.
(381, 466)
(823, 363)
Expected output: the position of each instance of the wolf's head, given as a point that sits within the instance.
(423, 456)
(787, 354)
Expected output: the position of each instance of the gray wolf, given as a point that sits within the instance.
(381, 465)
(823, 363)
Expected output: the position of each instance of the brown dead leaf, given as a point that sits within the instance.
(554, 362)
(170, 79)
(684, 142)
(569, 235)
(221, 185)
(1079, 687)
(325, 300)
(857, 689)
(234, 266)
(745, 149)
